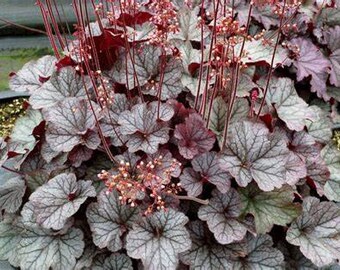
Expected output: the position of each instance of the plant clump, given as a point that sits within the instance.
(177, 134)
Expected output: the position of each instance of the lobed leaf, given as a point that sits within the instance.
(257, 51)
(109, 220)
(332, 38)
(189, 27)
(193, 137)
(256, 253)
(109, 123)
(252, 154)
(27, 245)
(144, 130)
(12, 189)
(311, 62)
(222, 216)
(64, 83)
(40, 251)
(158, 239)
(321, 128)
(205, 168)
(219, 112)
(205, 252)
(33, 74)
(59, 199)
(295, 169)
(69, 123)
(292, 109)
(9, 239)
(22, 134)
(269, 208)
(317, 231)
(331, 156)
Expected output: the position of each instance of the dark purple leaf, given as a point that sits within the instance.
(311, 62)
(193, 137)
(332, 39)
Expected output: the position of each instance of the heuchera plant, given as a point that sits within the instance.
(177, 135)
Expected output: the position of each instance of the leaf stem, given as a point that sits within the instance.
(194, 199)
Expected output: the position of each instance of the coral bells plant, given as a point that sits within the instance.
(176, 134)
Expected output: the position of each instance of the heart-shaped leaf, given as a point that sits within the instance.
(158, 239)
(256, 253)
(12, 189)
(39, 251)
(252, 154)
(205, 252)
(59, 199)
(69, 123)
(144, 130)
(317, 231)
(205, 167)
(26, 244)
(292, 109)
(311, 62)
(63, 84)
(144, 67)
(193, 137)
(33, 74)
(269, 208)
(221, 215)
(189, 27)
(109, 219)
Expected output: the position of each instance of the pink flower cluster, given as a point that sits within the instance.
(145, 182)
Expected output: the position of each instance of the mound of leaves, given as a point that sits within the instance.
(178, 135)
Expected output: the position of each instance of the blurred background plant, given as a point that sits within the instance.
(22, 35)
